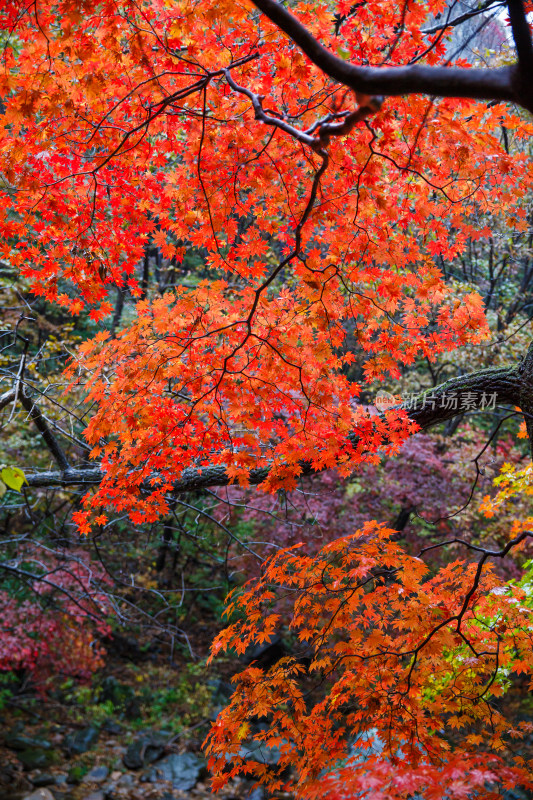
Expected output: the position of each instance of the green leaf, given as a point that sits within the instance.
(13, 477)
(343, 53)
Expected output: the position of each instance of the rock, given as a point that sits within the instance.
(43, 779)
(258, 751)
(17, 741)
(95, 796)
(126, 781)
(183, 769)
(220, 695)
(146, 749)
(112, 727)
(256, 794)
(37, 758)
(96, 774)
(79, 742)
(40, 794)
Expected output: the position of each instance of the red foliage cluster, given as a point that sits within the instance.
(57, 629)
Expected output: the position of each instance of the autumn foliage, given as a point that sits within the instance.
(394, 651)
(202, 128)
(55, 624)
(106, 163)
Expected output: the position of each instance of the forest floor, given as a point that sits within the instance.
(135, 732)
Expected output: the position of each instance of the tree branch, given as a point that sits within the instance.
(524, 48)
(7, 397)
(41, 423)
(429, 408)
(502, 83)
(331, 125)
(35, 578)
(488, 5)
(433, 406)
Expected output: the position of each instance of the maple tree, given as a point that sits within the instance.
(320, 164)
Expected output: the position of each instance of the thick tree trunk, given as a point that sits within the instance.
(525, 371)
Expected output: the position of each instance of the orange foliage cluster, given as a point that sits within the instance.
(393, 651)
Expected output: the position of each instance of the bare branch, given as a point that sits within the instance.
(34, 577)
(489, 5)
(44, 429)
(332, 125)
(7, 398)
